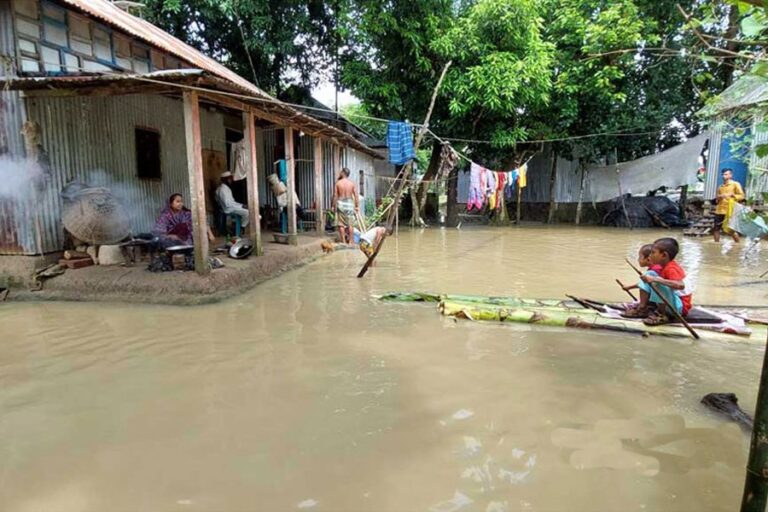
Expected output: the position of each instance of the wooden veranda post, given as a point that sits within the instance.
(249, 121)
(196, 180)
(290, 163)
(319, 191)
(756, 484)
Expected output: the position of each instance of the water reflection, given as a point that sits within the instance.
(308, 393)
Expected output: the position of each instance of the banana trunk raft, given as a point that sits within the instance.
(581, 314)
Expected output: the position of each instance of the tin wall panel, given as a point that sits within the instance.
(92, 140)
(329, 173)
(757, 184)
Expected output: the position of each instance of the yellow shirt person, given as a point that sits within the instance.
(729, 191)
(732, 189)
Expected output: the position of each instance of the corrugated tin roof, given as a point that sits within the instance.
(112, 15)
(747, 91)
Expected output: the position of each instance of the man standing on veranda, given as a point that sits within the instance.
(730, 191)
(347, 204)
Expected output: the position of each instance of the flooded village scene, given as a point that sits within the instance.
(489, 255)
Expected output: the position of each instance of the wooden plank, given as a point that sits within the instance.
(290, 162)
(249, 121)
(196, 182)
(319, 191)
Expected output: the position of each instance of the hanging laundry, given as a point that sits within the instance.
(501, 183)
(239, 160)
(490, 186)
(522, 180)
(476, 198)
(511, 184)
(400, 142)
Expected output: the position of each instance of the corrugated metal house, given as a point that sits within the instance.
(84, 83)
(734, 118)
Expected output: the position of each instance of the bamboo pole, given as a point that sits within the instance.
(671, 308)
(621, 193)
(756, 482)
(552, 188)
(393, 214)
(629, 292)
(519, 203)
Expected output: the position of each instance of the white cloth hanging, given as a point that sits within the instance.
(238, 157)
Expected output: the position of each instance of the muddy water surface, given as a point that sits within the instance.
(307, 394)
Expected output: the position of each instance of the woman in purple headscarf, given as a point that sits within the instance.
(174, 226)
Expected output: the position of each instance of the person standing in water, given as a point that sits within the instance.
(729, 191)
(347, 204)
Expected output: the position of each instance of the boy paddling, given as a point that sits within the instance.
(670, 282)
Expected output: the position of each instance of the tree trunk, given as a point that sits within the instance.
(452, 218)
(683, 202)
(731, 45)
(420, 191)
(552, 183)
(416, 219)
(581, 193)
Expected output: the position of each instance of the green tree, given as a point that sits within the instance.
(275, 44)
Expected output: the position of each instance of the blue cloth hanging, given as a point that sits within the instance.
(400, 142)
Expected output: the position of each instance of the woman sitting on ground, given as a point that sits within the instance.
(174, 226)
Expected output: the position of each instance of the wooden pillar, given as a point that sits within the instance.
(290, 163)
(319, 191)
(249, 122)
(196, 180)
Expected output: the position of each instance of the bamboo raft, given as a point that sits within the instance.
(583, 314)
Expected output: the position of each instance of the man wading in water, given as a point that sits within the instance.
(347, 203)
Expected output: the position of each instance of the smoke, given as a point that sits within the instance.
(19, 178)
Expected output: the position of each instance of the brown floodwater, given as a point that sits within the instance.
(308, 394)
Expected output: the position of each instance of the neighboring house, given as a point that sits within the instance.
(372, 167)
(107, 98)
(734, 117)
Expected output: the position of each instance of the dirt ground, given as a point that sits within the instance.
(136, 284)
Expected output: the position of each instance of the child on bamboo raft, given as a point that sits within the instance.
(643, 261)
(669, 278)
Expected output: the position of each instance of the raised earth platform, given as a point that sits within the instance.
(138, 285)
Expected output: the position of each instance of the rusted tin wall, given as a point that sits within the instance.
(272, 138)
(16, 224)
(329, 173)
(357, 161)
(92, 139)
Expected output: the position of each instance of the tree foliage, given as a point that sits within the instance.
(274, 44)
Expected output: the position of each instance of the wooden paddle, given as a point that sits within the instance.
(629, 292)
(666, 302)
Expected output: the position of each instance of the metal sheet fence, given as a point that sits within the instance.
(92, 140)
